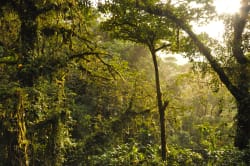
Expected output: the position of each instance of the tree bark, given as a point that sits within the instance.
(21, 132)
(18, 145)
(28, 36)
(243, 123)
(242, 137)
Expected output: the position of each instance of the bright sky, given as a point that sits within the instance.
(215, 29)
(227, 6)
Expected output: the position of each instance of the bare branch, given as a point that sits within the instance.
(91, 74)
(162, 47)
(83, 54)
(111, 68)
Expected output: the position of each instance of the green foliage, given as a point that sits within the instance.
(226, 157)
(34, 59)
(179, 156)
(135, 154)
(70, 95)
(129, 23)
(129, 154)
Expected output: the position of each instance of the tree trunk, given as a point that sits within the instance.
(54, 148)
(243, 124)
(161, 108)
(28, 38)
(21, 132)
(19, 144)
(17, 150)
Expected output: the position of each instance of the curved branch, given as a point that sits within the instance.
(111, 68)
(202, 48)
(83, 54)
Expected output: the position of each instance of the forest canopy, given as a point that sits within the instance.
(84, 83)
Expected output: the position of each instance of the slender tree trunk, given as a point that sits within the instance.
(161, 108)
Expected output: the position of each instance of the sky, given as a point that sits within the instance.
(227, 6)
(215, 29)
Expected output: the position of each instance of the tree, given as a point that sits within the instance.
(128, 23)
(38, 38)
(109, 107)
(238, 82)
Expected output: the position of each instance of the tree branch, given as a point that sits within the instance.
(81, 55)
(97, 54)
(162, 47)
(111, 68)
(93, 75)
(240, 21)
(165, 105)
(157, 10)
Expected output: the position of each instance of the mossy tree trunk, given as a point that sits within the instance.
(21, 149)
(18, 144)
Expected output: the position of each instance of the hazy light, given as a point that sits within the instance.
(95, 2)
(214, 29)
(227, 6)
(222, 6)
(180, 60)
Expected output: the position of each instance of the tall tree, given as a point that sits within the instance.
(38, 37)
(128, 23)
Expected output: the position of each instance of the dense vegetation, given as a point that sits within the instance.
(82, 84)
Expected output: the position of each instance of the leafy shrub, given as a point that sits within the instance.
(229, 156)
(179, 156)
(128, 154)
(135, 154)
